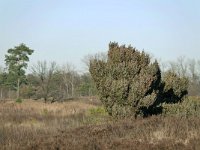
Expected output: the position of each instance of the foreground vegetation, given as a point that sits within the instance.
(84, 124)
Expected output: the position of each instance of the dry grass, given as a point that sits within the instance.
(152, 133)
(25, 122)
(70, 125)
(38, 114)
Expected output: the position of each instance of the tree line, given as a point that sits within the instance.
(52, 82)
(46, 80)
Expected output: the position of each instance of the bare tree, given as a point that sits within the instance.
(173, 66)
(193, 74)
(99, 56)
(192, 69)
(45, 75)
(163, 65)
(179, 67)
(182, 66)
(68, 76)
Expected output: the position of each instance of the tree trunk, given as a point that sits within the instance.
(89, 93)
(45, 99)
(67, 91)
(1, 93)
(18, 86)
(72, 90)
(9, 94)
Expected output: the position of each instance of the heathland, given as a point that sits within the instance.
(84, 124)
(125, 100)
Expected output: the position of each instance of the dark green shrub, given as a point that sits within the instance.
(127, 82)
(175, 88)
(130, 85)
(189, 107)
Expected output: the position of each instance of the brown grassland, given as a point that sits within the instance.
(83, 124)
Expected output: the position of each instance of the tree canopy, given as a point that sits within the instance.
(17, 62)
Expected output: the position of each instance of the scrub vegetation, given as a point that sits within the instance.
(127, 100)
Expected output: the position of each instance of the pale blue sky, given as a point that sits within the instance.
(67, 30)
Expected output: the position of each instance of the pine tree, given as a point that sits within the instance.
(17, 62)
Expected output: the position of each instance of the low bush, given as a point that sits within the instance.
(189, 107)
(96, 115)
(175, 87)
(97, 111)
(18, 100)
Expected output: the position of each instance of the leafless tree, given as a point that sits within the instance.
(100, 56)
(194, 76)
(192, 69)
(179, 67)
(182, 65)
(45, 75)
(68, 76)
